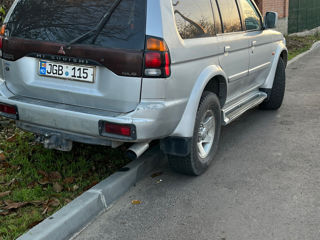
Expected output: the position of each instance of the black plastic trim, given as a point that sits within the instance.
(176, 146)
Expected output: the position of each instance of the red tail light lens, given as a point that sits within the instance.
(1, 41)
(8, 111)
(167, 64)
(153, 60)
(157, 58)
(118, 129)
(115, 130)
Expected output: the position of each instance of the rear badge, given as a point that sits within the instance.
(132, 74)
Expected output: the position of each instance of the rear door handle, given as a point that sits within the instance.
(254, 43)
(227, 49)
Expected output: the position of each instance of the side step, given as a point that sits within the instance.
(235, 110)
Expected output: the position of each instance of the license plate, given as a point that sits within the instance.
(66, 71)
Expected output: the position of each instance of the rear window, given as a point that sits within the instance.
(64, 20)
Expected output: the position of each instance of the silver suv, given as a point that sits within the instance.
(110, 72)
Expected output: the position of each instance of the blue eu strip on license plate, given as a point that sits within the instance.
(43, 68)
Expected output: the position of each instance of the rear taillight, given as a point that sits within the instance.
(8, 111)
(115, 129)
(157, 61)
(2, 31)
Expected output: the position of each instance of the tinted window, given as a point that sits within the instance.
(250, 15)
(230, 16)
(62, 21)
(194, 18)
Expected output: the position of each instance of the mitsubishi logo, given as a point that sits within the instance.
(61, 51)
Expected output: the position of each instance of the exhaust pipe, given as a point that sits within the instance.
(136, 150)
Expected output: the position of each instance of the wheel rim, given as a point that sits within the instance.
(206, 134)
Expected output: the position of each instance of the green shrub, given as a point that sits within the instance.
(4, 7)
(2, 14)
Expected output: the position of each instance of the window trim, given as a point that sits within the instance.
(240, 18)
(239, 11)
(259, 14)
(219, 12)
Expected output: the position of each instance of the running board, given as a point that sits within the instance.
(235, 110)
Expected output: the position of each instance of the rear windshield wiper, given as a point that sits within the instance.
(97, 30)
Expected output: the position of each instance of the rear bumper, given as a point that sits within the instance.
(152, 119)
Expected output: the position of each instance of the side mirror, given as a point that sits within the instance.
(271, 20)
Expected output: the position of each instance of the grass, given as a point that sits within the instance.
(38, 182)
(297, 45)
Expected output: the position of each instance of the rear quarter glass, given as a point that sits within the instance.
(61, 21)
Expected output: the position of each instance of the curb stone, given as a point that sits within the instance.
(81, 211)
(296, 58)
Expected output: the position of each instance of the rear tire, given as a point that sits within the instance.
(276, 96)
(205, 139)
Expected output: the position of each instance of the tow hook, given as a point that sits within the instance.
(55, 141)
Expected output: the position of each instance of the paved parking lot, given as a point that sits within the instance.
(264, 183)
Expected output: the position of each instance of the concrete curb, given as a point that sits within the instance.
(314, 46)
(306, 33)
(77, 214)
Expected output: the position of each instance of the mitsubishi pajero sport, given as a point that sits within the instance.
(109, 72)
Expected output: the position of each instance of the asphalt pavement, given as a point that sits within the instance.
(263, 185)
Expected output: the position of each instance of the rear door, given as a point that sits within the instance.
(103, 71)
(235, 61)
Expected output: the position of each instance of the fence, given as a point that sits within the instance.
(303, 15)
